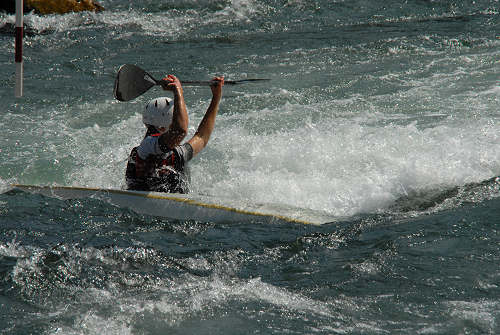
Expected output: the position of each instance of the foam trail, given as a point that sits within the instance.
(347, 167)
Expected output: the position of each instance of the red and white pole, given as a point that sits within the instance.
(19, 48)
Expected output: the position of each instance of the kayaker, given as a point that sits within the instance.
(159, 163)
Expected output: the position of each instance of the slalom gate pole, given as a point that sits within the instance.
(19, 48)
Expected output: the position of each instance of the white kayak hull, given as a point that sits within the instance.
(183, 207)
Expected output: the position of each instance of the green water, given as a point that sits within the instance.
(382, 115)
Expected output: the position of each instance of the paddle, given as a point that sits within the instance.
(132, 81)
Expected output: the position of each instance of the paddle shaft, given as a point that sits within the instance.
(209, 82)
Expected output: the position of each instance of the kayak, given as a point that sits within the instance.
(185, 207)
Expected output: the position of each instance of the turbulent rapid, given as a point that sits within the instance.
(385, 117)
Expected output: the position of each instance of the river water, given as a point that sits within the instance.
(383, 115)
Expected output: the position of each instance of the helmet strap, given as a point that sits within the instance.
(151, 130)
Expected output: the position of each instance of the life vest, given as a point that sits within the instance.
(159, 173)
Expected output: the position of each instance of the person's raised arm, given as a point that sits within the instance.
(202, 135)
(179, 126)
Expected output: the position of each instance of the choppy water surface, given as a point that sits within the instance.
(385, 116)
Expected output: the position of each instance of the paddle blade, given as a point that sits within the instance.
(132, 81)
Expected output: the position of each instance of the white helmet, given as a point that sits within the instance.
(158, 112)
